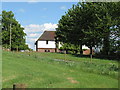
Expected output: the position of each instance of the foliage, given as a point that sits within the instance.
(17, 33)
(91, 24)
(68, 27)
(109, 23)
(0, 30)
(70, 47)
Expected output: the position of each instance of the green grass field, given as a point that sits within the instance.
(50, 70)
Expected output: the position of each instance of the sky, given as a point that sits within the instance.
(36, 17)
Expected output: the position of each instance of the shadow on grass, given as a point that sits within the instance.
(108, 57)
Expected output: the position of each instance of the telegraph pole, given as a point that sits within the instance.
(10, 36)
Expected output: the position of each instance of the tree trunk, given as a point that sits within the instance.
(65, 55)
(56, 46)
(106, 44)
(81, 51)
(56, 50)
(91, 53)
(17, 48)
(76, 51)
(36, 45)
(66, 51)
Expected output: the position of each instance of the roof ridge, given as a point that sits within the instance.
(47, 35)
(49, 31)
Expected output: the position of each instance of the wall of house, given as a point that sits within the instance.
(59, 45)
(46, 49)
(84, 47)
(42, 44)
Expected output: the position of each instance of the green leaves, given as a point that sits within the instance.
(89, 23)
(17, 33)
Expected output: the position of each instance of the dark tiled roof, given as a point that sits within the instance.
(47, 35)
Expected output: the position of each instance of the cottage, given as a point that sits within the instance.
(46, 42)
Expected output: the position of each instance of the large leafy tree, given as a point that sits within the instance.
(17, 33)
(115, 30)
(90, 24)
(108, 23)
(80, 26)
(0, 31)
(70, 28)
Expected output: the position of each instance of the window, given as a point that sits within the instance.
(46, 41)
(47, 50)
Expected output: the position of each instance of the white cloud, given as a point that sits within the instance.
(63, 8)
(34, 31)
(33, 28)
(33, 35)
(31, 40)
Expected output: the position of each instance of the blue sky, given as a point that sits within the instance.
(37, 17)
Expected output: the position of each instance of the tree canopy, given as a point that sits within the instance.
(17, 34)
(92, 24)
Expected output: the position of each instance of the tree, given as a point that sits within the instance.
(17, 33)
(82, 20)
(70, 28)
(115, 30)
(92, 24)
(108, 14)
(0, 31)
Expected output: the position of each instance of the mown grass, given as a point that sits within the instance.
(49, 70)
(0, 67)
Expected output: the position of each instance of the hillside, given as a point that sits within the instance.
(50, 70)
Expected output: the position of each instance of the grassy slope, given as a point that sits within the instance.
(0, 67)
(40, 71)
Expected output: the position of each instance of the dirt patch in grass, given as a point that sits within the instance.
(9, 78)
(72, 80)
(20, 85)
(64, 73)
(71, 71)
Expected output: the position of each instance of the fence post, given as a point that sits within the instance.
(14, 87)
(19, 86)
